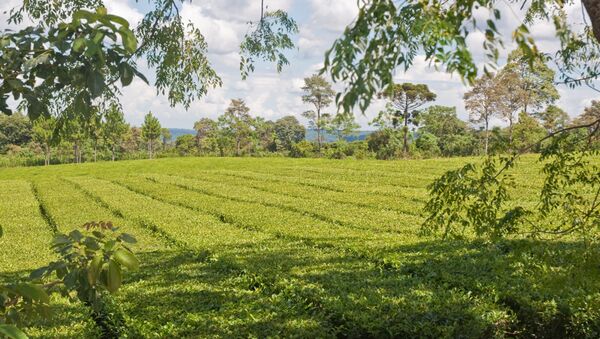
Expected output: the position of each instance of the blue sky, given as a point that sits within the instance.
(272, 95)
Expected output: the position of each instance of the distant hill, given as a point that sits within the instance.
(176, 132)
(311, 135)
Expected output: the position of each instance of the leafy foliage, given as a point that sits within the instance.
(268, 41)
(390, 34)
(475, 199)
(79, 58)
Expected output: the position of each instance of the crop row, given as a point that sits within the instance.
(172, 274)
(377, 202)
(25, 246)
(351, 216)
(355, 296)
(26, 241)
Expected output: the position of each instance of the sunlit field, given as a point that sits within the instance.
(251, 247)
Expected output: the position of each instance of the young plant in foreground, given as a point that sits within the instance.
(90, 269)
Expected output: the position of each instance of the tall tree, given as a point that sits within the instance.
(114, 129)
(403, 102)
(453, 135)
(289, 131)
(343, 125)
(236, 123)
(553, 118)
(151, 132)
(165, 133)
(74, 131)
(206, 135)
(43, 132)
(14, 130)
(318, 92)
(535, 80)
(264, 134)
(483, 102)
(93, 126)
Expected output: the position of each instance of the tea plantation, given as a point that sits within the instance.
(248, 247)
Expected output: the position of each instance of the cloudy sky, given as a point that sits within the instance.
(272, 95)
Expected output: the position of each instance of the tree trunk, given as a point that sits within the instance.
(319, 128)
(75, 153)
(405, 137)
(592, 7)
(47, 153)
(487, 134)
(95, 151)
(112, 153)
(510, 132)
(149, 149)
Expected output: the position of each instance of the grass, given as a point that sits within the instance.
(296, 247)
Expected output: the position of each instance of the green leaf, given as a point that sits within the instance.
(127, 259)
(113, 277)
(79, 44)
(95, 83)
(128, 238)
(129, 40)
(12, 332)
(94, 269)
(38, 273)
(33, 292)
(126, 73)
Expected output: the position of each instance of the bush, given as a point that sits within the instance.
(302, 149)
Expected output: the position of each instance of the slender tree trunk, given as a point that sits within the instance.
(487, 134)
(112, 153)
(75, 153)
(95, 151)
(319, 128)
(47, 153)
(510, 132)
(149, 149)
(405, 137)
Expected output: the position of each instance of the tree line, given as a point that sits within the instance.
(411, 125)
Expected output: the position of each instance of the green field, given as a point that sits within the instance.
(250, 247)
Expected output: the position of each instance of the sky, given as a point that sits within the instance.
(272, 95)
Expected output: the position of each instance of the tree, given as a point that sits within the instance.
(132, 141)
(404, 100)
(536, 82)
(94, 132)
(289, 131)
(236, 124)
(114, 129)
(453, 135)
(185, 144)
(43, 132)
(264, 134)
(151, 132)
(527, 131)
(74, 131)
(173, 47)
(365, 60)
(484, 101)
(343, 125)
(207, 132)
(165, 133)
(318, 92)
(591, 117)
(14, 130)
(553, 118)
